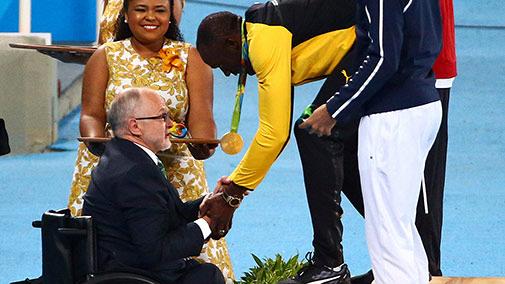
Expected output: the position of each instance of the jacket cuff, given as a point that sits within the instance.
(332, 105)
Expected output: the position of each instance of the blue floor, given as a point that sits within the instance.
(274, 218)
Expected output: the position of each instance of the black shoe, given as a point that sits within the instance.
(366, 278)
(314, 273)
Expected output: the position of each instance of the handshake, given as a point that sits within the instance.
(218, 207)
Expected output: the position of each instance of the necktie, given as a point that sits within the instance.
(162, 169)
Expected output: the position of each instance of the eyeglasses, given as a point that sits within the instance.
(163, 116)
(177, 130)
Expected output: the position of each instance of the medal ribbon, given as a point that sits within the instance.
(235, 120)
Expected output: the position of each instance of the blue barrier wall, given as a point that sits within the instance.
(67, 21)
(9, 11)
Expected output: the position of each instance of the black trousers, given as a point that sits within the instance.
(330, 166)
(430, 225)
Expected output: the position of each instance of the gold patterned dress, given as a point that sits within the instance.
(128, 69)
(108, 20)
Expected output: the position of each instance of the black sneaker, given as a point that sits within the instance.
(314, 273)
(366, 278)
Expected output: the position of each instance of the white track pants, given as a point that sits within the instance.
(392, 150)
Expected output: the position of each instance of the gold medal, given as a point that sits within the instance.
(232, 143)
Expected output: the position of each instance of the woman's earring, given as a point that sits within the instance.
(126, 21)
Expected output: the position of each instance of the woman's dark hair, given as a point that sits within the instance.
(123, 30)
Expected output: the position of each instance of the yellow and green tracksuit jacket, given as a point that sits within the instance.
(290, 42)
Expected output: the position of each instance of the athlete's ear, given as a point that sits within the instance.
(234, 42)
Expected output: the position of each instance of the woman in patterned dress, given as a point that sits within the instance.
(148, 53)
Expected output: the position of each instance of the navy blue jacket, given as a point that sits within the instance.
(140, 220)
(401, 40)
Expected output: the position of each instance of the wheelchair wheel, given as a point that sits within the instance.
(119, 278)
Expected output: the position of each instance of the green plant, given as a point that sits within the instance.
(271, 271)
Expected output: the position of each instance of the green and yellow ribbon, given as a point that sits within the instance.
(232, 142)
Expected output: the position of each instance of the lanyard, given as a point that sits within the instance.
(235, 120)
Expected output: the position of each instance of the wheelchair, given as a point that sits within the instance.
(69, 253)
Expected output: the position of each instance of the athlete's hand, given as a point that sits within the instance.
(320, 122)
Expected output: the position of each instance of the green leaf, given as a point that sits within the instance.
(270, 270)
(257, 260)
(278, 263)
(292, 261)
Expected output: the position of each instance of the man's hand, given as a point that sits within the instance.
(320, 122)
(202, 151)
(217, 189)
(221, 214)
(204, 210)
(218, 209)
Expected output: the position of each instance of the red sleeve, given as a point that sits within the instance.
(445, 65)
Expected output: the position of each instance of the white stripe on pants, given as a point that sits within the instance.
(392, 150)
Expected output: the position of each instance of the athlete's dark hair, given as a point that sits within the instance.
(217, 26)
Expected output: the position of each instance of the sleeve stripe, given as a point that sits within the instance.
(368, 14)
(377, 67)
(407, 6)
(290, 123)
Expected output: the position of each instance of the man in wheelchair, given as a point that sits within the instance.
(140, 220)
(145, 234)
